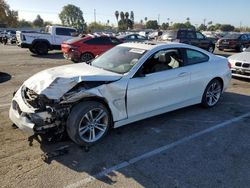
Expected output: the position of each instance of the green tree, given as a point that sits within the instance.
(164, 26)
(122, 16)
(226, 27)
(146, 19)
(117, 16)
(202, 27)
(24, 23)
(132, 16)
(93, 26)
(152, 24)
(72, 16)
(8, 17)
(38, 22)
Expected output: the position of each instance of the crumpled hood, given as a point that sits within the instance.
(55, 82)
(243, 57)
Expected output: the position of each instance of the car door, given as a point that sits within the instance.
(63, 34)
(203, 42)
(157, 90)
(200, 70)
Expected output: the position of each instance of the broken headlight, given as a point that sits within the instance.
(35, 100)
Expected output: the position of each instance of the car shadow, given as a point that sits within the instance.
(4, 77)
(50, 55)
(136, 139)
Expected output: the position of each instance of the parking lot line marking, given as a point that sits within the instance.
(155, 152)
(4, 105)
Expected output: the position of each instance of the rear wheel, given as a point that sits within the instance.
(85, 57)
(41, 48)
(88, 123)
(212, 93)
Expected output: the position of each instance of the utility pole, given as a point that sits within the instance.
(95, 15)
(159, 19)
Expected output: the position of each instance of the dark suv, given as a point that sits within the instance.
(189, 37)
(237, 41)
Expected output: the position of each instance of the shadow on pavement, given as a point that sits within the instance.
(138, 138)
(53, 55)
(4, 77)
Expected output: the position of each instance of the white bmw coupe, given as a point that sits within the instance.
(130, 82)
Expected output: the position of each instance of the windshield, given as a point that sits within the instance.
(119, 59)
(232, 36)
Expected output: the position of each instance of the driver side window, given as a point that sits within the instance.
(163, 60)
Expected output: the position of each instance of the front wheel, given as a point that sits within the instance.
(212, 93)
(88, 123)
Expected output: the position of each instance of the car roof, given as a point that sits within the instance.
(149, 45)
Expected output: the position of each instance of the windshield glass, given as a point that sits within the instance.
(119, 59)
(232, 36)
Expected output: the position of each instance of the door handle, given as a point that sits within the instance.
(183, 74)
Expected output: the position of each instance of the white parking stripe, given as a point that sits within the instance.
(155, 152)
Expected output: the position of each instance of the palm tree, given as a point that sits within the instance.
(122, 15)
(188, 19)
(132, 16)
(117, 16)
(141, 21)
(146, 18)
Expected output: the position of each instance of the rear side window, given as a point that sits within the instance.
(182, 34)
(99, 41)
(65, 31)
(199, 36)
(191, 35)
(194, 57)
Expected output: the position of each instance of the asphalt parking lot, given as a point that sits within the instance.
(191, 147)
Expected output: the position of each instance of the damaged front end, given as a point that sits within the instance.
(36, 114)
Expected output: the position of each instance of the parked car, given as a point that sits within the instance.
(155, 35)
(132, 38)
(130, 82)
(240, 64)
(87, 48)
(236, 41)
(189, 37)
(41, 42)
(11, 34)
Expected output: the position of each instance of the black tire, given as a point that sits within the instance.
(85, 57)
(210, 49)
(79, 120)
(32, 50)
(41, 48)
(212, 93)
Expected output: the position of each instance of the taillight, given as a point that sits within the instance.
(229, 65)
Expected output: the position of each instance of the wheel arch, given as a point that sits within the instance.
(36, 41)
(220, 80)
(100, 100)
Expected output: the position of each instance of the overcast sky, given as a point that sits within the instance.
(218, 11)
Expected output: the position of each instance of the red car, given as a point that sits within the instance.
(87, 48)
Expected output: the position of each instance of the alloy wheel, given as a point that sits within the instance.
(93, 125)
